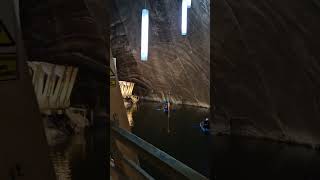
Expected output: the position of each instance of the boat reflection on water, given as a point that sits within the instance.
(168, 118)
(175, 132)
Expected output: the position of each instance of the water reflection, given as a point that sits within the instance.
(61, 164)
(176, 132)
(134, 108)
(168, 118)
(62, 156)
(130, 110)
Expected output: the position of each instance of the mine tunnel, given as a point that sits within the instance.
(159, 89)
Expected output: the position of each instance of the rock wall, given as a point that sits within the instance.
(266, 68)
(178, 66)
(73, 32)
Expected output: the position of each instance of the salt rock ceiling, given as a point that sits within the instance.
(74, 32)
(266, 68)
(178, 66)
(77, 32)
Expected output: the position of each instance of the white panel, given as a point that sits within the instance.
(144, 34)
(189, 3)
(184, 17)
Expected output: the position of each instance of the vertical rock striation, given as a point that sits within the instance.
(266, 68)
(178, 66)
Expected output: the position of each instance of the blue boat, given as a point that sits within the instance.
(205, 130)
(165, 107)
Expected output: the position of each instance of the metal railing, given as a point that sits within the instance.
(164, 163)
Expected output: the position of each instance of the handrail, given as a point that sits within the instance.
(163, 161)
(138, 169)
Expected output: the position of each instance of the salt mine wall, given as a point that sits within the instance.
(75, 33)
(266, 68)
(67, 32)
(178, 66)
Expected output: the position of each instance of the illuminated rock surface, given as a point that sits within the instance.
(177, 65)
(76, 32)
(266, 68)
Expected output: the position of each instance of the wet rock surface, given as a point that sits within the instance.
(266, 68)
(178, 66)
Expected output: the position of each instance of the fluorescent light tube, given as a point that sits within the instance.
(144, 34)
(189, 3)
(184, 17)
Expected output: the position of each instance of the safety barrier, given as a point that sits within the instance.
(159, 159)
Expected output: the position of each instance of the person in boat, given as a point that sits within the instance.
(206, 123)
(166, 106)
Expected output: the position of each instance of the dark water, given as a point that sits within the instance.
(230, 157)
(178, 135)
(81, 157)
(252, 159)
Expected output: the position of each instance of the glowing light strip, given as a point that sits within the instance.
(189, 3)
(144, 34)
(184, 17)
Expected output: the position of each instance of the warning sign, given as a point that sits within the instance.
(8, 67)
(5, 37)
(112, 79)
